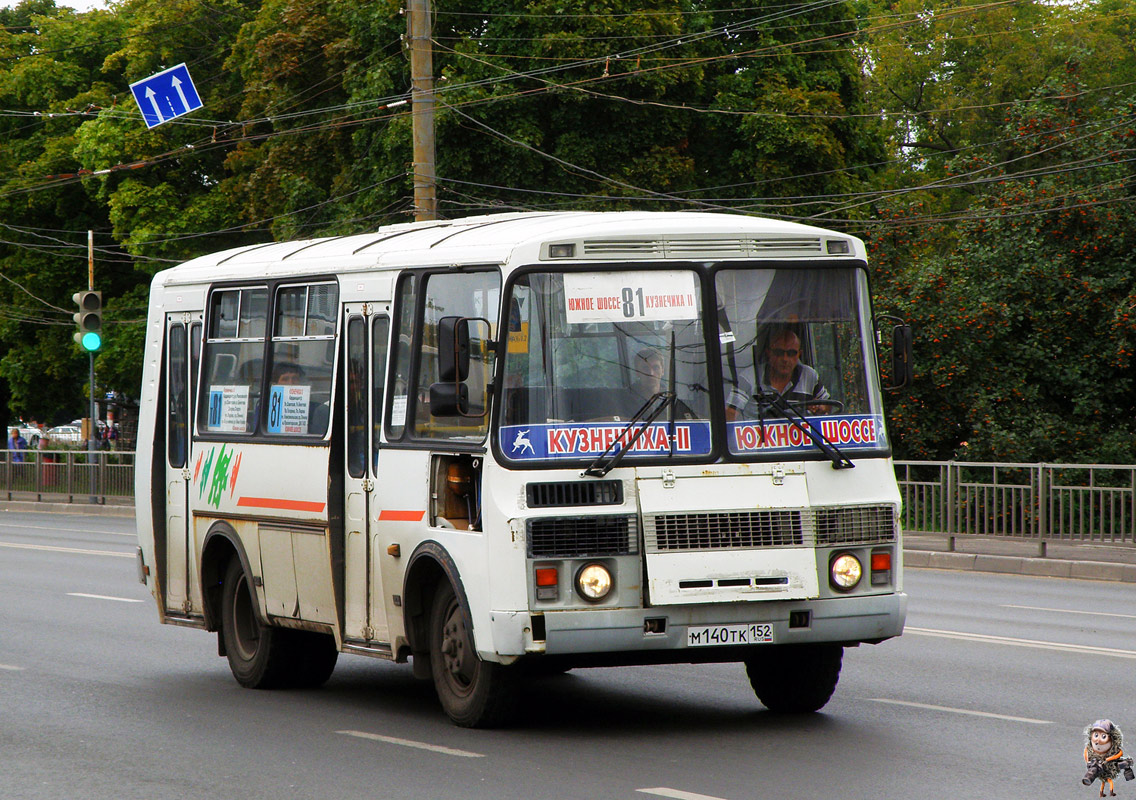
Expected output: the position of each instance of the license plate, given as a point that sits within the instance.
(717, 635)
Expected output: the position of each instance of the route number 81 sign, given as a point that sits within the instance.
(640, 296)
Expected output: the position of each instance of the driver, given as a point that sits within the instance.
(781, 373)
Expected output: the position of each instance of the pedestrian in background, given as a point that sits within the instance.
(16, 443)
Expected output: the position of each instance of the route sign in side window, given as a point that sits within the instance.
(302, 358)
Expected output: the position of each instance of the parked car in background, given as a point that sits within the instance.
(65, 434)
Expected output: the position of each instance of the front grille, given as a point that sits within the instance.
(715, 531)
(855, 525)
(735, 530)
(581, 537)
(589, 493)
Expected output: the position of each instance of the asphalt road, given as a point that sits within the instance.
(986, 695)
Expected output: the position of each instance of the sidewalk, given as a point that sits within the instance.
(1021, 557)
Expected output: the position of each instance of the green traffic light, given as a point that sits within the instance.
(91, 341)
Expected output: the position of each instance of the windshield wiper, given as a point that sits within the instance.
(598, 468)
(798, 420)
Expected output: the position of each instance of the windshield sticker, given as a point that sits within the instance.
(228, 408)
(779, 436)
(629, 296)
(288, 408)
(564, 441)
(398, 411)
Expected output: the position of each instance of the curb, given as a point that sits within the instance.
(1018, 565)
(96, 509)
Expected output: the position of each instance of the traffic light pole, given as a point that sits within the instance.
(92, 428)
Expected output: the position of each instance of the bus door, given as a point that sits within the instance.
(183, 349)
(366, 343)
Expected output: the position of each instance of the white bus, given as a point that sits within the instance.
(513, 444)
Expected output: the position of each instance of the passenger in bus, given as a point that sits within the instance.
(649, 371)
(781, 374)
(287, 374)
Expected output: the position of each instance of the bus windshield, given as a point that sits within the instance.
(587, 352)
(796, 349)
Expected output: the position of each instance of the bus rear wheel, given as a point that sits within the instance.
(256, 652)
(474, 693)
(795, 679)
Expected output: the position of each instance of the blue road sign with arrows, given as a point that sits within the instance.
(166, 95)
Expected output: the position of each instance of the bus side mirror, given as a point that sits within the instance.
(451, 395)
(902, 366)
(449, 400)
(453, 349)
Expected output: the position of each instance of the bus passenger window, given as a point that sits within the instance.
(303, 350)
(356, 397)
(178, 423)
(234, 352)
(407, 302)
(380, 332)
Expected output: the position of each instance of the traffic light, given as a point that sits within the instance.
(89, 319)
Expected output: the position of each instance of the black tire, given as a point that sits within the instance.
(314, 656)
(257, 653)
(473, 693)
(795, 679)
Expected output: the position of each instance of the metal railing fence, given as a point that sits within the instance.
(1093, 503)
(68, 476)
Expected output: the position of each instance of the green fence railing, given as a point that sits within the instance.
(68, 476)
(1093, 503)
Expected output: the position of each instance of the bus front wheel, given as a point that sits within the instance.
(255, 651)
(795, 679)
(474, 693)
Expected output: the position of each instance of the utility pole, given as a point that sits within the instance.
(419, 35)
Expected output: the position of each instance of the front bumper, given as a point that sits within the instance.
(845, 620)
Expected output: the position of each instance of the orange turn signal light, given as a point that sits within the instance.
(881, 562)
(547, 576)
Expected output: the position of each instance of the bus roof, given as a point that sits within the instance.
(523, 238)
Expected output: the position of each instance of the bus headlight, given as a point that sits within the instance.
(845, 572)
(593, 582)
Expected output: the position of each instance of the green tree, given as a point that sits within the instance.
(50, 80)
(1026, 328)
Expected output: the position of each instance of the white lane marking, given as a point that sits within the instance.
(104, 597)
(51, 549)
(1073, 611)
(433, 748)
(677, 794)
(1084, 649)
(968, 712)
(10, 668)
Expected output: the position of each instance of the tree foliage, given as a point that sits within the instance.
(981, 148)
(1018, 272)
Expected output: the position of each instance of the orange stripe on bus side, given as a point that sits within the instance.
(388, 515)
(281, 504)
